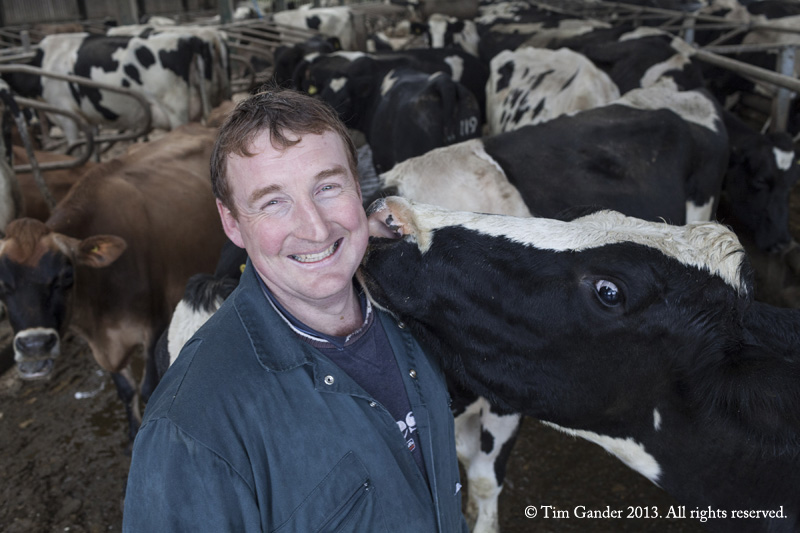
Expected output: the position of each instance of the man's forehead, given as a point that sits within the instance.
(314, 156)
(263, 140)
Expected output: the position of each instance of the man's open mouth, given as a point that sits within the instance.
(313, 258)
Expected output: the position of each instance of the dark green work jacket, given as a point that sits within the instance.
(253, 429)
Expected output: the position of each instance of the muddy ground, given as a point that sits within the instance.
(63, 460)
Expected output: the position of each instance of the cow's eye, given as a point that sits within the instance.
(64, 280)
(608, 293)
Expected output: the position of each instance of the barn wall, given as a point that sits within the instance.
(21, 12)
(32, 11)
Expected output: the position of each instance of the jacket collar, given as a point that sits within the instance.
(311, 335)
(274, 342)
(273, 337)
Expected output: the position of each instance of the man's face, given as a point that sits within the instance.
(299, 217)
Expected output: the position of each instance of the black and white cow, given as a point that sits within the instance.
(639, 58)
(330, 21)
(529, 26)
(202, 297)
(403, 35)
(162, 67)
(657, 154)
(532, 85)
(452, 32)
(424, 111)
(314, 71)
(640, 337)
(286, 58)
(350, 74)
(762, 171)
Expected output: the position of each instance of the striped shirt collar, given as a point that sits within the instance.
(314, 337)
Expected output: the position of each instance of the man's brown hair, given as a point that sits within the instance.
(279, 111)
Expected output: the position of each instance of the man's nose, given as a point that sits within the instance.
(311, 223)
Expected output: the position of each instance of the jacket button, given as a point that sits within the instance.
(412, 373)
(373, 404)
(328, 380)
(401, 325)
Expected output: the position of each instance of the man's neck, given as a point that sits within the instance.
(338, 316)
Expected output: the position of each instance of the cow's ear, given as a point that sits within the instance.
(100, 250)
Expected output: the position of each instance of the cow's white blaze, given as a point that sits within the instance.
(699, 213)
(388, 82)
(783, 159)
(707, 246)
(656, 420)
(336, 84)
(627, 450)
(655, 73)
(692, 106)
(456, 65)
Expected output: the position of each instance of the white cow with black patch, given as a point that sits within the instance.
(641, 337)
(172, 70)
(533, 85)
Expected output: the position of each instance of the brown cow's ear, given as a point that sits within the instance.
(100, 250)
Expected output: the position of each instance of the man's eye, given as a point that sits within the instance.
(270, 204)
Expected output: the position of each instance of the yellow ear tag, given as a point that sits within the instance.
(312, 90)
(241, 268)
(96, 249)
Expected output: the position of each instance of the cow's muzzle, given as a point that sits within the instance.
(382, 221)
(34, 351)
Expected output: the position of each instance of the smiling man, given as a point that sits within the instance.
(297, 406)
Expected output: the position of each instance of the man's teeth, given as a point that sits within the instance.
(313, 258)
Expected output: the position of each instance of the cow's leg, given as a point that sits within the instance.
(126, 390)
(468, 431)
(484, 439)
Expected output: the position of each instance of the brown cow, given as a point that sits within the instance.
(112, 260)
(58, 182)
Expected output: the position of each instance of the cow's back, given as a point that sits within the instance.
(613, 163)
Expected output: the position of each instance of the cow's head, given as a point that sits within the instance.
(38, 270)
(558, 320)
(759, 180)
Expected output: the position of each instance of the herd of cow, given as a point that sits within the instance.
(639, 329)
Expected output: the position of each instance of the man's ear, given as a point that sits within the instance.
(99, 251)
(230, 225)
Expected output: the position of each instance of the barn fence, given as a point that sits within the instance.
(686, 24)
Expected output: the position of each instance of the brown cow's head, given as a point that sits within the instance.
(37, 282)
